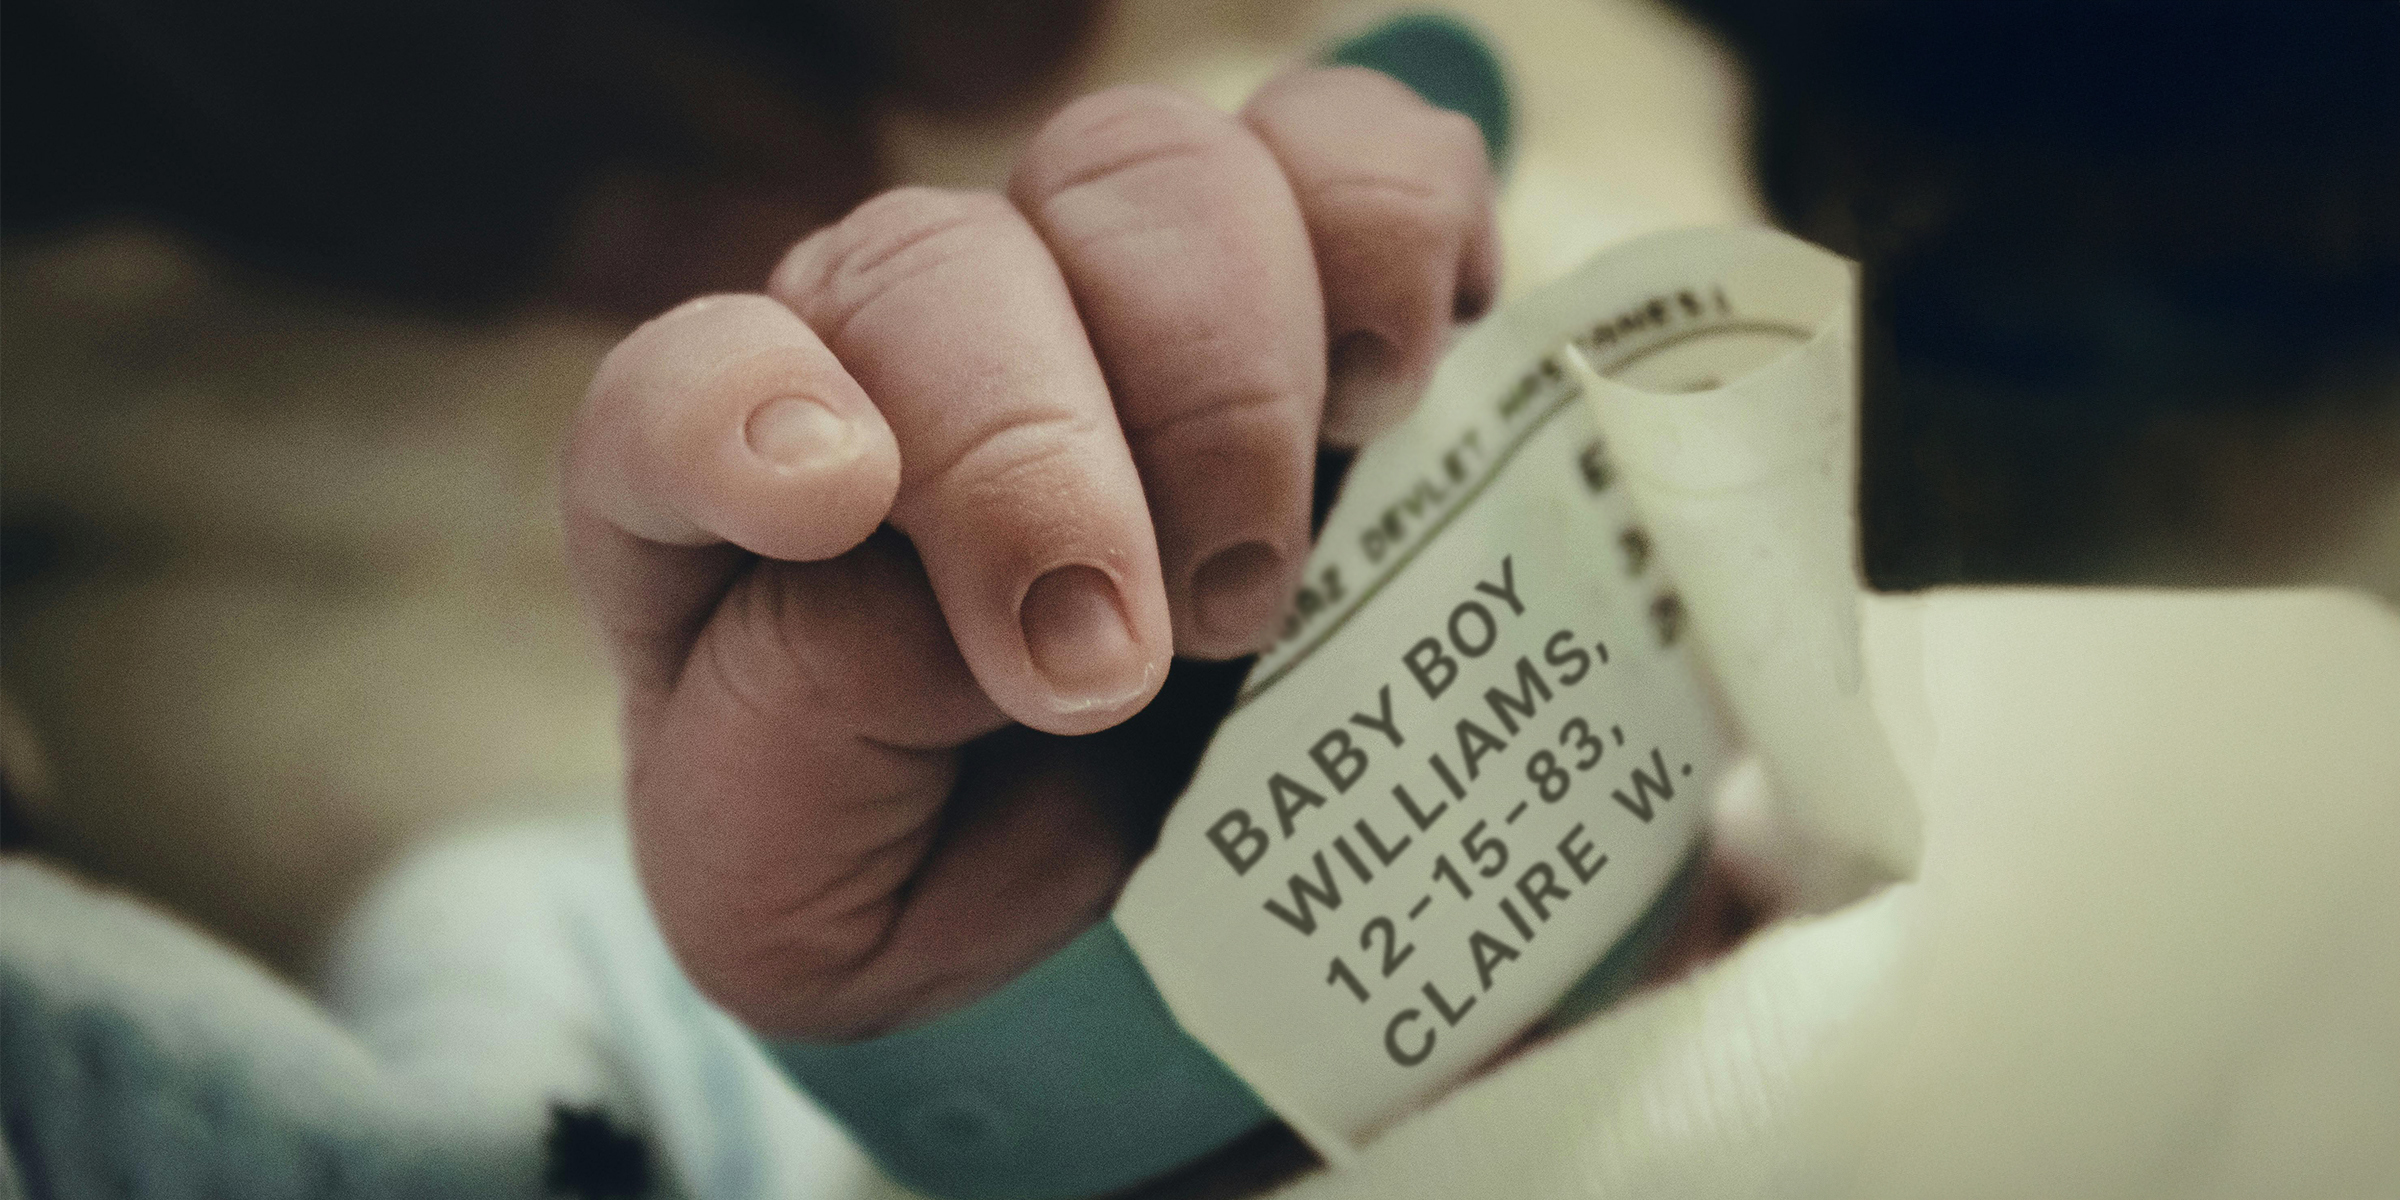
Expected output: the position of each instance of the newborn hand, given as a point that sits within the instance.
(976, 463)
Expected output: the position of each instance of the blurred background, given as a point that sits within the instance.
(295, 299)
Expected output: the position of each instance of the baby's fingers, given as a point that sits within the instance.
(1189, 263)
(724, 421)
(1016, 485)
(1398, 199)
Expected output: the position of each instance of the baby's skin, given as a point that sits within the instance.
(974, 461)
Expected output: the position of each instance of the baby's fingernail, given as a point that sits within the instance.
(797, 434)
(1238, 590)
(1075, 628)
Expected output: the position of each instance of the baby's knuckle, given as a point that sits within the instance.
(897, 235)
(1314, 88)
(896, 232)
(1410, 216)
(1119, 132)
(1011, 461)
(1266, 397)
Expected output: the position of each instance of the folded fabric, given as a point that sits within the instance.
(498, 1019)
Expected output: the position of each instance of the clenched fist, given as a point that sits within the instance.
(976, 465)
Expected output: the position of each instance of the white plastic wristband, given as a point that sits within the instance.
(1482, 745)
